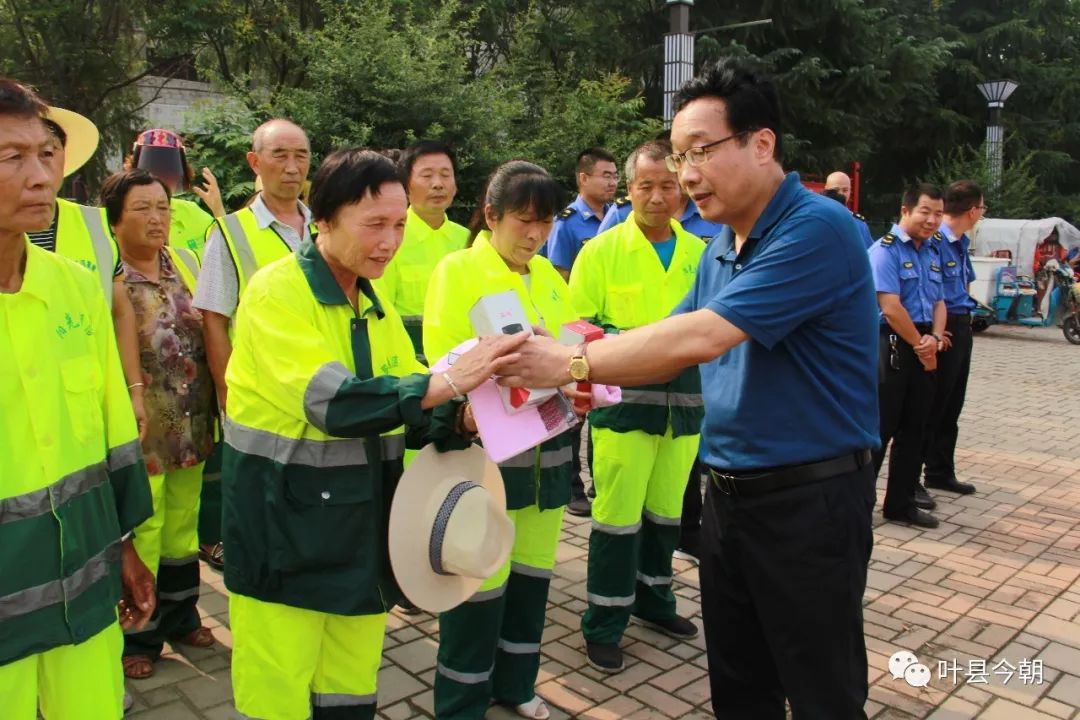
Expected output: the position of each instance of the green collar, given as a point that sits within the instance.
(325, 287)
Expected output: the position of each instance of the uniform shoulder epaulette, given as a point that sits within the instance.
(939, 237)
(888, 239)
(624, 200)
(568, 212)
(858, 216)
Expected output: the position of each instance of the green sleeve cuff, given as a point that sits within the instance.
(411, 391)
(131, 488)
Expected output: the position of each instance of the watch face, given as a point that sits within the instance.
(579, 369)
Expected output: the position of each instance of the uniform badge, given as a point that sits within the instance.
(568, 212)
(888, 240)
(908, 265)
(951, 263)
(935, 268)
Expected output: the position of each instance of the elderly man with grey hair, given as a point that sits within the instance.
(274, 225)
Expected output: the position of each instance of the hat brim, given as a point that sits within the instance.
(408, 534)
(82, 137)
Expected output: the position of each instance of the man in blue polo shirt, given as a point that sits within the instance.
(964, 207)
(907, 274)
(787, 365)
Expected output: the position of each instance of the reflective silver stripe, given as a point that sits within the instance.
(548, 458)
(244, 253)
(515, 648)
(294, 451)
(463, 677)
(644, 397)
(211, 477)
(188, 259)
(686, 400)
(604, 601)
(60, 591)
(393, 446)
(321, 389)
(103, 246)
(179, 562)
(615, 529)
(341, 700)
(658, 520)
(40, 502)
(486, 595)
(661, 398)
(412, 319)
(530, 571)
(179, 595)
(526, 459)
(124, 456)
(652, 581)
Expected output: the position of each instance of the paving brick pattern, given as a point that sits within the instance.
(999, 581)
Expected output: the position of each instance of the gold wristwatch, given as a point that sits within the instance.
(579, 364)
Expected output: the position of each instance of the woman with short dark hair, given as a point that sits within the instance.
(179, 400)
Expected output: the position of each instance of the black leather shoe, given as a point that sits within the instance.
(580, 507)
(917, 517)
(676, 626)
(923, 499)
(407, 608)
(605, 657)
(951, 485)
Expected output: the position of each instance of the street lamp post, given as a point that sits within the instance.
(678, 54)
(996, 93)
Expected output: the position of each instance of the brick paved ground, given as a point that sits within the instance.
(999, 580)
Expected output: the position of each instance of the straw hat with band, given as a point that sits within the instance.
(80, 137)
(448, 527)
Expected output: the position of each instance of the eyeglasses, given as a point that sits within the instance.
(697, 156)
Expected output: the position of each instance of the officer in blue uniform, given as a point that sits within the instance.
(907, 268)
(597, 181)
(689, 218)
(963, 208)
(838, 187)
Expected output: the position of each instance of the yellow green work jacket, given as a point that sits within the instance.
(405, 282)
(72, 478)
(188, 225)
(540, 476)
(187, 265)
(318, 395)
(83, 235)
(251, 247)
(619, 283)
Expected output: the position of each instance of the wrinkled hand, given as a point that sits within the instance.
(488, 357)
(540, 363)
(139, 406)
(211, 195)
(582, 400)
(138, 599)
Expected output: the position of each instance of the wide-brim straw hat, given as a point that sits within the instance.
(82, 137)
(448, 527)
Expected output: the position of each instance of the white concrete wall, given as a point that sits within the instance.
(171, 100)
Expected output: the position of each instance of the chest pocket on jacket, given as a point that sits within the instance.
(624, 305)
(83, 396)
(952, 271)
(909, 274)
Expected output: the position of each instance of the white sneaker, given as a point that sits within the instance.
(685, 555)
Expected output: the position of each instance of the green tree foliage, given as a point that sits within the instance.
(1017, 196)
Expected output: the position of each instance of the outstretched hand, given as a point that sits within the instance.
(488, 357)
(539, 363)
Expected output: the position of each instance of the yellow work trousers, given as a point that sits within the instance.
(172, 531)
(70, 682)
(289, 663)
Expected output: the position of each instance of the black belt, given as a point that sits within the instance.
(751, 484)
(961, 316)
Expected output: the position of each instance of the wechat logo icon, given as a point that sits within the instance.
(904, 665)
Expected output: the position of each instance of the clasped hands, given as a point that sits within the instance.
(929, 347)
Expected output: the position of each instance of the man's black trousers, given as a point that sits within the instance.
(782, 582)
(954, 366)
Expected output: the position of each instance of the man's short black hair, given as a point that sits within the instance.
(912, 193)
(417, 150)
(961, 196)
(750, 98)
(345, 177)
(587, 159)
(19, 100)
(115, 189)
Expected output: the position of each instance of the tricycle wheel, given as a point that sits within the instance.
(1071, 329)
(978, 325)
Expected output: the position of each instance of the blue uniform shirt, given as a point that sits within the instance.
(804, 386)
(958, 270)
(914, 275)
(691, 220)
(574, 225)
(864, 230)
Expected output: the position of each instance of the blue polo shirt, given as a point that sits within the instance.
(914, 275)
(691, 220)
(574, 225)
(958, 271)
(804, 387)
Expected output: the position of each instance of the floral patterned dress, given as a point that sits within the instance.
(179, 392)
